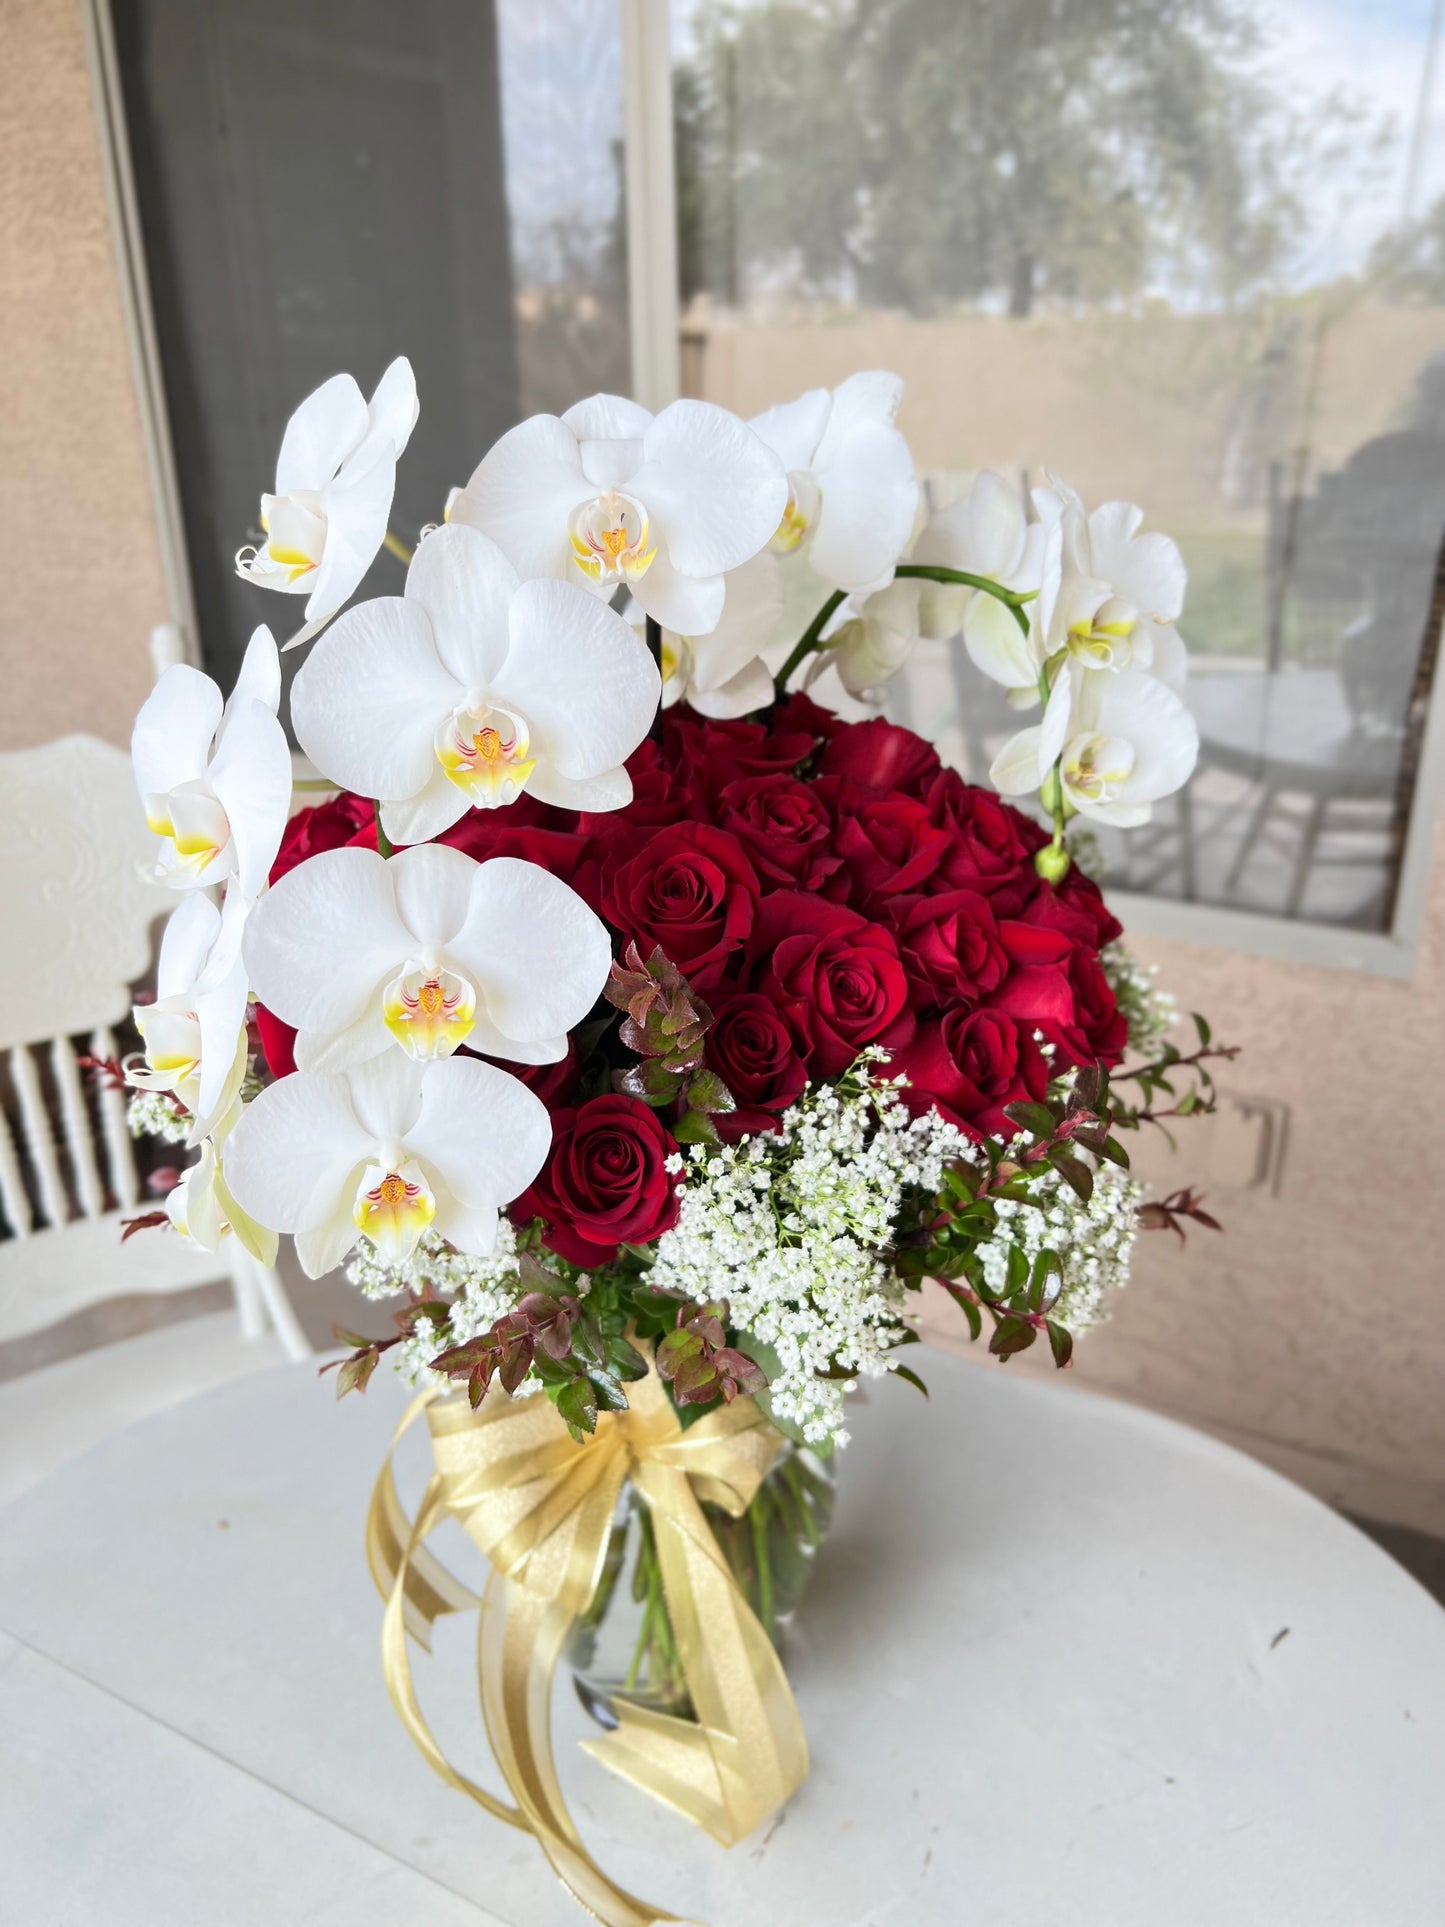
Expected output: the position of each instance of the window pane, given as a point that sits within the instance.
(326, 185)
(1191, 256)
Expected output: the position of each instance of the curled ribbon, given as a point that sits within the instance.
(541, 1508)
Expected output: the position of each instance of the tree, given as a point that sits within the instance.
(919, 153)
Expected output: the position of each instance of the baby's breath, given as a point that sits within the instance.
(156, 1114)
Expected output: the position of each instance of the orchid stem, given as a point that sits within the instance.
(808, 641)
(654, 649)
(1014, 599)
(1052, 863)
(394, 545)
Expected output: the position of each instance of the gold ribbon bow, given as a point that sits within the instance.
(541, 1508)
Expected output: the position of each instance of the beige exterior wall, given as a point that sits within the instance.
(78, 551)
(1311, 1333)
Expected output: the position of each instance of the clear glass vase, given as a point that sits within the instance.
(623, 1646)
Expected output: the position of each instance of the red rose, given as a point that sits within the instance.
(754, 1052)
(836, 978)
(712, 754)
(888, 843)
(969, 1065)
(991, 845)
(783, 825)
(604, 1183)
(278, 1042)
(882, 754)
(950, 944)
(1076, 907)
(690, 888)
(800, 715)
(325, 826)
(1057, 987)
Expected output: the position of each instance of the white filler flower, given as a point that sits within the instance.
(215, 778)
(471, 688)
(426, 951)
(609, 494)
(195, 1032)
(852, 493)
(335, 477)
(389, 1149)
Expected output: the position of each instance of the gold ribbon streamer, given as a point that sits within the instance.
(541, 1507)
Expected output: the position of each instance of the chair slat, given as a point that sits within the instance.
(119, 1144)
(75, 1116)
(39, 1138)
(13, 1196)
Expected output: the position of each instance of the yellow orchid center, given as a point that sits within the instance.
(483, 750)
(393, 1208)
(192, 821)
(1103, 640)
(799, 513)
(429, 1012)
(1094, 766)
(609, 538)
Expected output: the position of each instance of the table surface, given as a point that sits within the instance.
(1064, 1664)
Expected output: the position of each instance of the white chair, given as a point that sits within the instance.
(76, 934)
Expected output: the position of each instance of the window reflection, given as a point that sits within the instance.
(1192, 255)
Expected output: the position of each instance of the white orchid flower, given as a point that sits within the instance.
(1121, 592)
(388, 1149)
(194, 1033)
(609, 494)
(215, 778)
(988, 532)
(723, 674)
(852, 493)
(202, 1209)
(1121, 742)
(335, 477)
(873, 639)
(473, 687)
(427, 950)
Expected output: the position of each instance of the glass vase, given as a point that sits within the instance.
(623, 1646)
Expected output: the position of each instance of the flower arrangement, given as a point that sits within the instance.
(645, 1031)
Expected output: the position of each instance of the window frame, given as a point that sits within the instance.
(653, 317)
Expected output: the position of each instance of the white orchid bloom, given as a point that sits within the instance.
(1121, 742)
(988, 532)
(1121, 592)
(609, 494)
(388, 1149)
(871, 641)
(335, 478)
(473, 687)
(202, 1209)
(427, 950)
(194, 1033)
(723, 674)
(215, 778)
(852, 492)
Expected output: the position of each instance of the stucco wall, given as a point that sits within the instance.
(78, 554)
(1311, 1333)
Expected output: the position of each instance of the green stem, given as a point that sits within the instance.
(383, 841)
(1014, 599)
(808, 641)
(394, 545)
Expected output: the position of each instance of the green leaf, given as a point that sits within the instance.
(1013, 1335)
(707, 1092)
(577, 1403)
(1078, 1176)
(355, 1373)
(1201, 1025)
(974, 1316)
(1061, 1343)
(902, 1371)
(1037, 1118)
(1048, 1264)
(609, 1392)
(624, 1361)
(694, 1127)
(1018, 1269)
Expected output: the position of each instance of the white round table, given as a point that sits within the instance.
(1064, 1664)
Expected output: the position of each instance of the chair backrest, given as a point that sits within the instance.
(75, 935)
